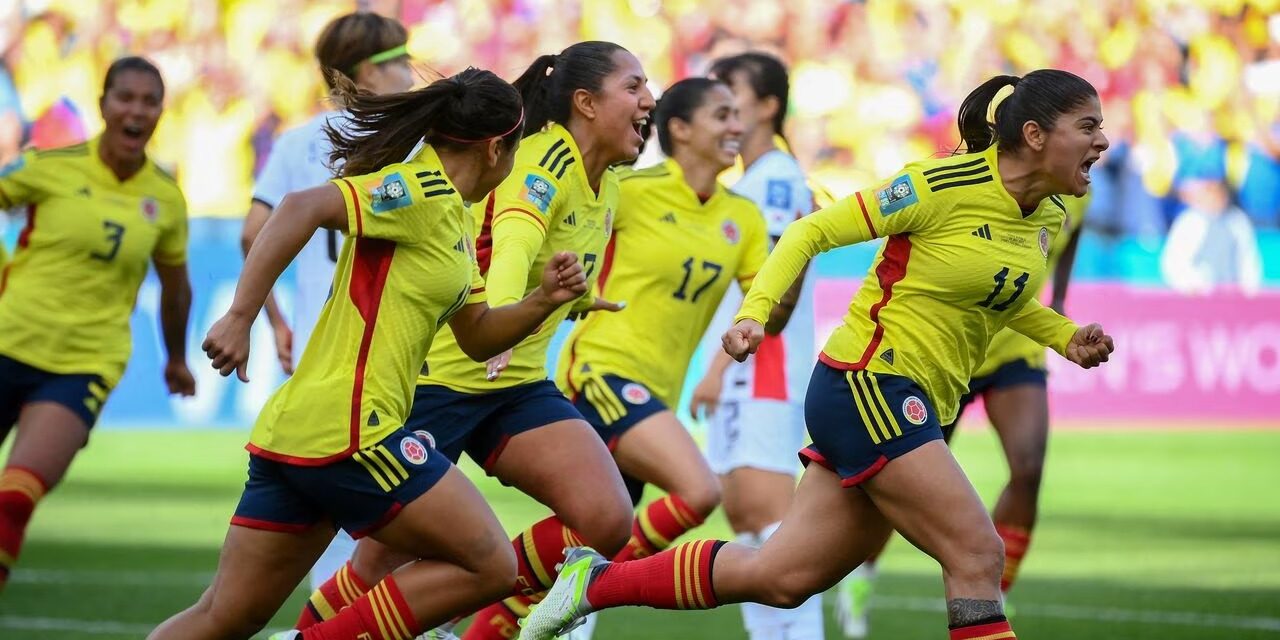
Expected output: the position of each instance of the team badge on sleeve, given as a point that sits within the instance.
(413, 450)
(777, 194)
(897, 196)
(389, 194)
(1044, 241)
(635, 393)
(914, 411)
(538, 191)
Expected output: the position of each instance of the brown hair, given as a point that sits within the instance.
(351, 39)
(471, 107)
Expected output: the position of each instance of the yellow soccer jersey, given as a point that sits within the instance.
(544, 207)
(960, 262)
(1009, 345)
(671, 258)
(409, 265)
(66, 297)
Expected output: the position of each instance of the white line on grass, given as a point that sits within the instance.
(75, 626)
(1075, 612)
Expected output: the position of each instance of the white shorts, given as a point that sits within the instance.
(761, 434)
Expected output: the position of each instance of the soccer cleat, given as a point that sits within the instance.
(565, 607)
(852, 597)
(285, 635)
(587, 630)
(443, 632)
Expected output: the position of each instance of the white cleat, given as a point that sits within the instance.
(587, 629)
(852, 597)
(442, 632)
(566, 606)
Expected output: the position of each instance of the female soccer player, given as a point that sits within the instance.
(1012, 382)
(369, 50)
(330, 448)
(584, 107)
(755, 409)
(894, 371)
(97, 214)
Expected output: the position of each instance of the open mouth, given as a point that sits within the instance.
(641, 126)
(731, 145)
(1084, 169)
(133, 132)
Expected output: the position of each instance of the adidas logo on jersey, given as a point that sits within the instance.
(461, 246)
(373, 419)
(670, 217)
(887, 356)
(571, 219)
(983, 232)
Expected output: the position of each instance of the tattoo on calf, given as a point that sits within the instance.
(962, 612)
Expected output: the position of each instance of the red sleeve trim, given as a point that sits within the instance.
(355, 200)
(867, 217)
(527, 214)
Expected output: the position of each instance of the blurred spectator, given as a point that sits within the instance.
(1211, 243)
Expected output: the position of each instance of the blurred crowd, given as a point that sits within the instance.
(1190, 88)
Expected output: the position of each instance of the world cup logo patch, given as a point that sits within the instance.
(413, 450)
(635, 393)
(914, 411)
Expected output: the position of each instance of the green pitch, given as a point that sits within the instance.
(1144, 534)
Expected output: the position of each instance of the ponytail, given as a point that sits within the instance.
(995, 112)
(468, 108)
(548, 84)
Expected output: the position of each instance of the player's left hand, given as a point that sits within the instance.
(179, 379)
(563, 279)
(496, 365)
(742, 339)
(1090, 346)
(599, 304)
(227, 344)
(706, 396)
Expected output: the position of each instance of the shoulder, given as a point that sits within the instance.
(74, 151)
(775, 165)
(641, 176)
(166, 184)
(953, 172)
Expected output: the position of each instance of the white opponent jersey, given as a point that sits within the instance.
(780, 370)
(299, 160)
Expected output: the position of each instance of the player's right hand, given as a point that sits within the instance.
(227, 344)
(598, 304)
(1090, 346)
(706, 397)
(563, 279)
(742, 339)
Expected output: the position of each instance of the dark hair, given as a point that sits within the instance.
(470, 107)
(130, 63)
(548, 84)
(1041, 95)
(766, 75)
(353, 38)
(680, 101)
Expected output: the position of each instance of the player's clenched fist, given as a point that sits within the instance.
(563, 279)
(1090, 346)
(227, 344)
(743, 338)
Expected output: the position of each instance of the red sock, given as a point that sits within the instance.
(1016, 541)
(380, 614)
(337, 593)
(679, 578)
(999, 630)
(538, 550)
(657, 526)
(499, 621)
(20, 490)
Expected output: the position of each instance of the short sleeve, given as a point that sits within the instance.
(529, 193)
(171, 246)
(273, 181)
(896, 206)
(26, 179)
(755, 250)
(395, 203)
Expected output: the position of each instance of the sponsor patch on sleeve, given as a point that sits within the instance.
(16, 164)
(897, 196)
(538, 191)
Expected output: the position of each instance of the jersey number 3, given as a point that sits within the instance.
(688, 265)
(1018, 283)
(115, 235)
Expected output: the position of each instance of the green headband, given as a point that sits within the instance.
(390, 54)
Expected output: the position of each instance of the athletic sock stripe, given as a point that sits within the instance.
(697, 573)
(375, 606)
(517, 608)
(686, 572)
(321, 607)
(6, 560)
(680, 550)
(884, 404)
(651, 534)
(678, 514)
(535, 561)
(857, 402)
(397, 620)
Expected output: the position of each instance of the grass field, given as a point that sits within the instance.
(1144, 534)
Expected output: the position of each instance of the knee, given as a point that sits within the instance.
(787, 591)
(979, 557)
(497, 570)
(609, 529)
(703, 497)
(230, 620)
(1025, 473)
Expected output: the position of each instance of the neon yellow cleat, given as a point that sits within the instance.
(566, 606)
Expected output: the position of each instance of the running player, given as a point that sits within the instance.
(330, 448)
(369, 50)
(894, 371)
(1012, 382)
(584, 106)
(755, 409)
(98, 213)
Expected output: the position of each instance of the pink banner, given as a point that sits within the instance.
(1180, 358)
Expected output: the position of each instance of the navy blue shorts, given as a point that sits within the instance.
(1009, 374)
(20, 384)
(359, 494)
(481, 424)
(859, 421)
(613, 405)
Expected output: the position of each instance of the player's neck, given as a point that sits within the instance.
(123, 168)
(593, 161)
(463, 171)
(756, 144)
(1022, 179)
(700, 176)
